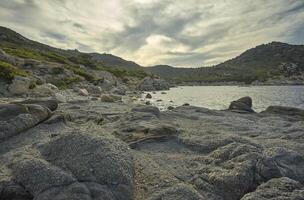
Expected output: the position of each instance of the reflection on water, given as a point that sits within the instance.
(219, 97)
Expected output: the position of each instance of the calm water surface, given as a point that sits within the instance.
(219, 97)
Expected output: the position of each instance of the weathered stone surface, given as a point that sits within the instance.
(147, 109)
(243, 104)
(151, 84)
(17, 118)
(124, 151)
(82, 91)
(20, 85)
(281, 110)
(110, 98)
(277, 189)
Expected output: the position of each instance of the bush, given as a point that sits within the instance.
(66, 82)
(8, 72)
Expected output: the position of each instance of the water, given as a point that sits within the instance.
(219, 97)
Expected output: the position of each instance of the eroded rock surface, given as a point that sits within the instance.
(105, 150)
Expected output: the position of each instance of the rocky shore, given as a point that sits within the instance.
(80, 146)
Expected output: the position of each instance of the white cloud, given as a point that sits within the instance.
(181, 33)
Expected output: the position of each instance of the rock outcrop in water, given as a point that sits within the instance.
(88, 149)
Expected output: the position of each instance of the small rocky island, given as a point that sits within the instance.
(72, 132)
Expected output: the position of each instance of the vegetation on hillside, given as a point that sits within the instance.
(8, 72)
(260, 63)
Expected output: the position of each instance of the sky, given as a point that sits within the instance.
(181, 33)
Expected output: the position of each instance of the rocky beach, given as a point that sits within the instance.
(79, 145)
(73, 128)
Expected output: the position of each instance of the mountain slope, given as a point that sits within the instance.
(16, 44)
(259, 63)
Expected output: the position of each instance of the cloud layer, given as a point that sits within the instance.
(180, 33)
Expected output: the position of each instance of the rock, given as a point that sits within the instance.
(59, 98)
(159, 100)
(277, 189)
(163, 92)
(15, 118)
(82, 92)
(282, 110)
(119, 90)
(44, 90)
(94, 90)
(146, 109)
(20, 85)
(186, 104)
(103, 166)
(170, 108)
(148, 96)
(110, 98)
(148, 103)
(50, 104)
(181, 191)
(151, 84)
(243, 104)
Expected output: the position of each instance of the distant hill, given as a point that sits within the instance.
(265, 62)
(260, 63)
(63, 68)
(13, 42)
(114, 61)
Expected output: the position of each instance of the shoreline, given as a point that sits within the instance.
(134, 151)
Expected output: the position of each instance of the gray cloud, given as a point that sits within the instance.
(180, 33)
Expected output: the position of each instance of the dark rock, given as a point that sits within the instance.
(186, 104)
(243, 104)
(170, 108)
(147, 109)
(50, 104)
(148, 96)
(282, 110)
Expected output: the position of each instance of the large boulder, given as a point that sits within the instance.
(152, 84)
(282, 110)
(20, 85)
(15, 118)
(44, 90)
(278, 189)
(243, 104)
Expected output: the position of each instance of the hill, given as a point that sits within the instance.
(264, 62)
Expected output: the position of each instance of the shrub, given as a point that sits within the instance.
(8, 72)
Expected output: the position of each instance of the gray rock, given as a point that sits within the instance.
(17, 118)
(282, 110)
(82, 91)
(120, 90)
(20, 85)
(151, 84)
(50, 104)
(277, 189)
(147, 109)
(243, 104)
(110, 98)
(94, 90)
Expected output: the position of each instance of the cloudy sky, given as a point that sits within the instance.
(175, 32)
